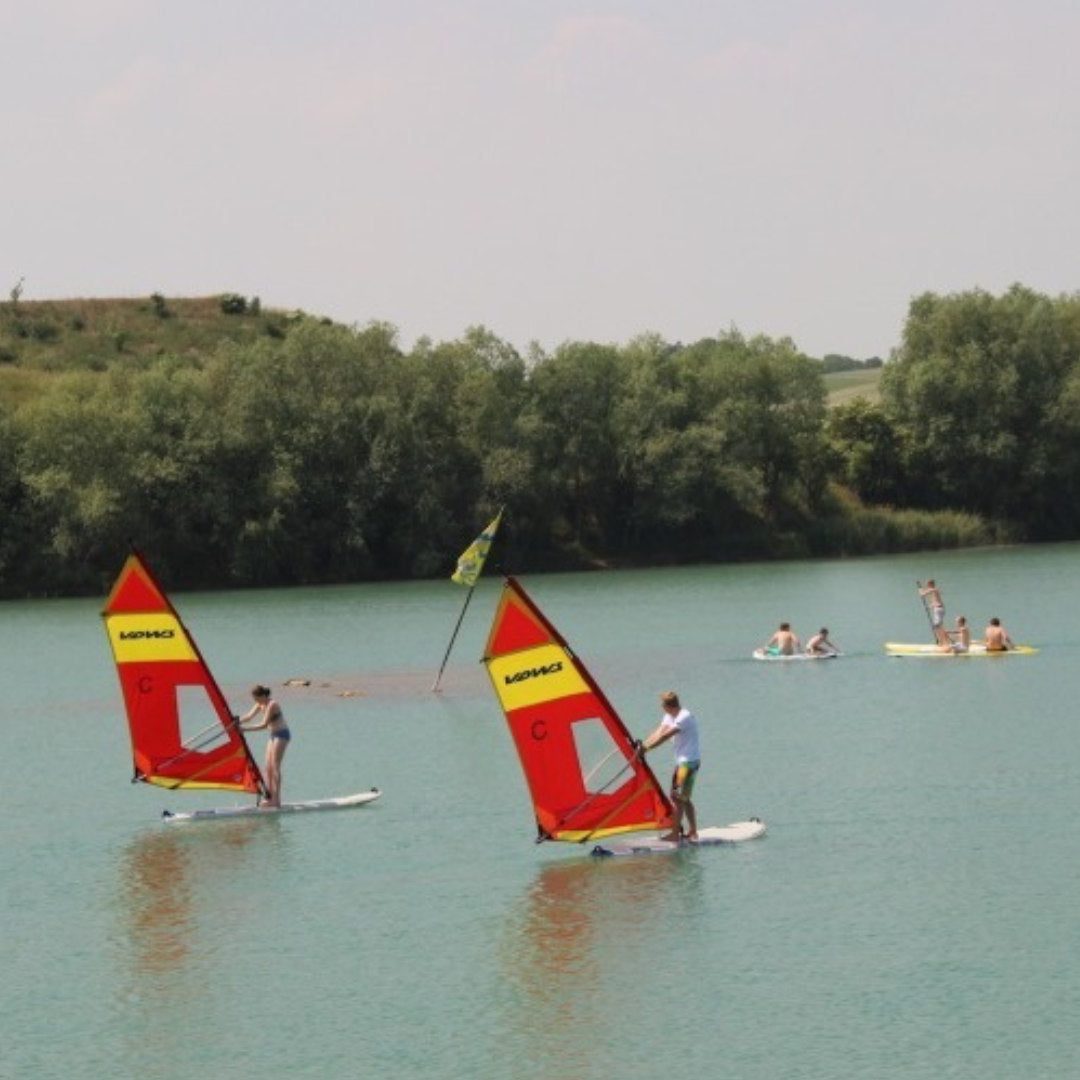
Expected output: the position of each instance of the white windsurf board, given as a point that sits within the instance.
(734, 833)
(224, 813)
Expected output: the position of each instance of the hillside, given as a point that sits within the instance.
(41, 338)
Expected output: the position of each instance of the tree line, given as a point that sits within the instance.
(331, 454)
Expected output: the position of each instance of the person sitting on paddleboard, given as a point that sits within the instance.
(820, 645)
(783, 642)
(935, 607)
(274, 721)
(996, 637)
(960, 638)
(681, 725)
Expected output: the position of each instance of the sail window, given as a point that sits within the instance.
(200, 728)
(599, 757)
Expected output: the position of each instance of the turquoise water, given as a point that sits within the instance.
(911, 912)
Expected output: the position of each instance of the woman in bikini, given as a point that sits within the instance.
(274, 721)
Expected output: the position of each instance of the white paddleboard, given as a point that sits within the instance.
(768, 654)
(715, 834)
(344, 802)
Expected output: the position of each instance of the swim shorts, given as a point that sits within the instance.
(682, 780)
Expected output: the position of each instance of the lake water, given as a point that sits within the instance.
(911, 912)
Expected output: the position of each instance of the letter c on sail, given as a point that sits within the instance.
(539, 730)
(146, 684)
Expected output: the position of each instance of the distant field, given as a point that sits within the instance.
(845, 386)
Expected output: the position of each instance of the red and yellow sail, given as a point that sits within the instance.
(585, 779)
(182, 731)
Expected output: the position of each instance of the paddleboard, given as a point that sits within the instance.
(897, 648)
(768, 654)
(716, 834)
(224, 813)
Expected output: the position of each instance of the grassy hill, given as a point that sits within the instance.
(40, 338)
(846, 386)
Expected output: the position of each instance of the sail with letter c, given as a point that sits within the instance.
(586, 779)
(183, 734)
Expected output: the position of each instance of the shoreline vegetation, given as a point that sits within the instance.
(242, 446)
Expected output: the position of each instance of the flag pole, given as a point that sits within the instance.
(453, 638)
(469, 567)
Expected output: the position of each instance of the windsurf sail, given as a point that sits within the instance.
(583, 771)
(183, 734)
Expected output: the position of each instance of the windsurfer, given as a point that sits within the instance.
(996, 637)
(681, 725)
(784, 642)
(820, 645)
(273, 720)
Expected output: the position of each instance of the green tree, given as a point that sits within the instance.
(307, 481)
(974, 392)
(17, 517)
(865, 450)
(768, 402)
(681, 495)
(569, 426)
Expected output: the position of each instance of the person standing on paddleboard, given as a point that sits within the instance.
(273, 720)
(935, 608)
(681, 725)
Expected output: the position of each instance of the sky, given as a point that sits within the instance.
(551, 170)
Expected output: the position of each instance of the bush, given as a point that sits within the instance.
(883, 530)
(45, 331)
(233, 304)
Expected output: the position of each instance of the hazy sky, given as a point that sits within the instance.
(552, 170)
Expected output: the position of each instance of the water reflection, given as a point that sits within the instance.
(178, 892)
(579, 950)
(181, 897)
(156, 897)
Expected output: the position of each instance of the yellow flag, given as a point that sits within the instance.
(471, 562)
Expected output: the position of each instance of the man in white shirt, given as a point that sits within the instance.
(681, 725)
